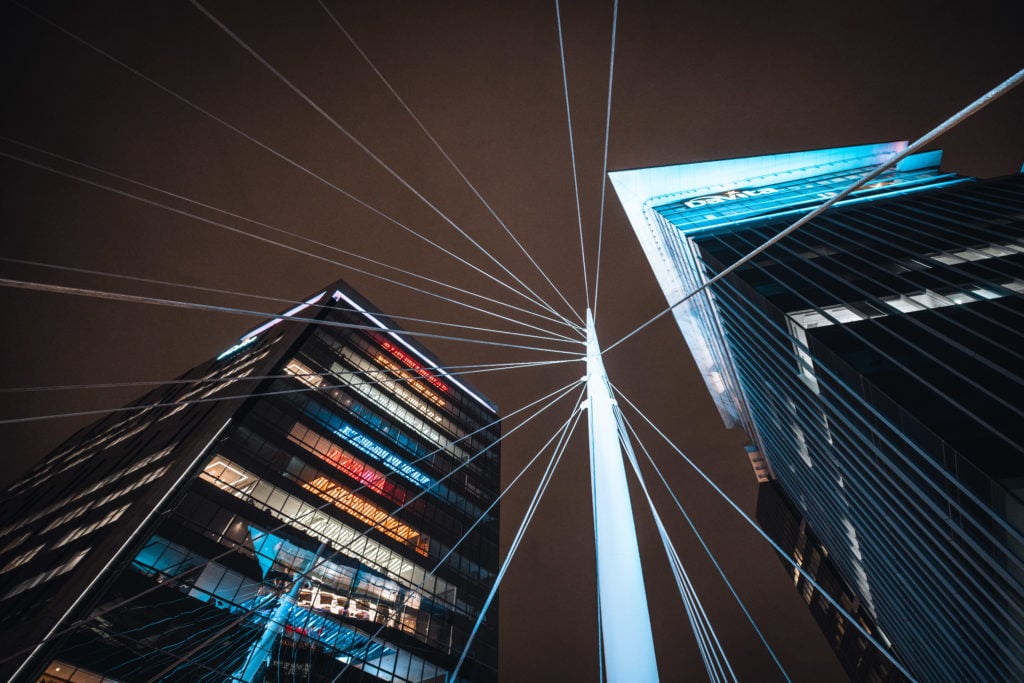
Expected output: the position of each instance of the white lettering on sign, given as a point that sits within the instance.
(729, 196)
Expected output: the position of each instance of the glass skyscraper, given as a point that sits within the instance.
(314, 504)
(875, 357)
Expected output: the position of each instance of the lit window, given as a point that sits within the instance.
(15, 543)
(216, 381)
(367, 512)
(319, 524)
(398, 412)
(21, 559)
(331, 453)
(394, 367)
(805, 362)
(905, 303)
(304, 374)
(67, 517)
(412, 364)
(85, 530)
(224, 475)
(46, 576)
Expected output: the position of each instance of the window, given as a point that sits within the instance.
(46, 576)
(367, 512)
(354, 542)
(15, 543)
(84, 530)
(330, 452)
(20, 559)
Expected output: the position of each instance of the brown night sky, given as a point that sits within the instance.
(692, 83)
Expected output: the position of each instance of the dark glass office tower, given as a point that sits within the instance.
(787, 526)
(876, 359)
(314, 504)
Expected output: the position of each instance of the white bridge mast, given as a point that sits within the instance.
(625, 622)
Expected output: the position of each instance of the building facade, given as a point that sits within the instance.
(787, 526)
(874, 358)
(317, 503)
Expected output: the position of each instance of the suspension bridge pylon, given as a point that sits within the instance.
(627, 641)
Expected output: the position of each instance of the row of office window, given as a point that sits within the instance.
(877, 449)
(414, 505)
(368, 384)
(317, 524)
(100, 502)
(339, 496)
(339, 458)
(137, 421)
(346, 592)
(467, 427)
(374, 438)
(87, 529)
(408, 529)
(456, 404)
(92, 488)
(363, 357)
(43, 577)
(216, 381)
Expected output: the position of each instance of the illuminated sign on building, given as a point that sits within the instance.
(729, 207)
(412, 364)
(367, 512)
(354, 437)
(337, 296)
(786, 195)
(729, 196)
(669, 206)
(336, 456)
(414, 383)
(382, 454)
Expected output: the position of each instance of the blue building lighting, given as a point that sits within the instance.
(872, 359)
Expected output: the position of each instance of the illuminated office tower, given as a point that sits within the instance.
(875, 358)
(277, 514)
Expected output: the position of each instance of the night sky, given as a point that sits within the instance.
(692, 83)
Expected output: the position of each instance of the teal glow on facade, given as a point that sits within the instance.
(873, 358)
(669, 205)
(382, 455)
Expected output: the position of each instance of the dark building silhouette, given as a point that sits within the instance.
(314, 503)
(875, 357)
